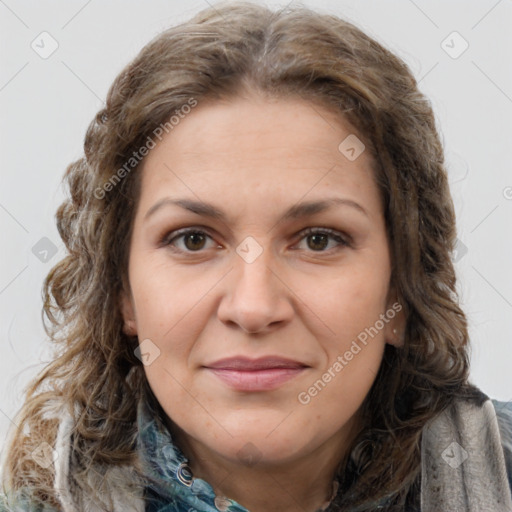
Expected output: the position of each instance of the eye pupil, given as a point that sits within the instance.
(194, 237)
(316, 237)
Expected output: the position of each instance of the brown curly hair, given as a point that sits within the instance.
(290, 52)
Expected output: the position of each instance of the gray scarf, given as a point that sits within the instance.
(462, 463)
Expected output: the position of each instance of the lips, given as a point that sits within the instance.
(247, 364)
(263, 374)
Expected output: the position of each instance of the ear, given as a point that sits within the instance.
(128, 313)
(394, 330)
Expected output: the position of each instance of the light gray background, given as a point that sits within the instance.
(47, 104)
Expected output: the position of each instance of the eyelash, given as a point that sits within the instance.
(169, 238)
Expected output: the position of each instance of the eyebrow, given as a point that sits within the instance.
(296, 211)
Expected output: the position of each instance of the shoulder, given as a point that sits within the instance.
(467, 454)
(504, 417)
(4, 505)
(21, 503)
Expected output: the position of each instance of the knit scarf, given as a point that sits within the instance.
(463, 469)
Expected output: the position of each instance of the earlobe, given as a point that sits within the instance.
(396, 339)
(395, 328)
(128, 314)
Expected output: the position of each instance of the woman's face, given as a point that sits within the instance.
(260, 339)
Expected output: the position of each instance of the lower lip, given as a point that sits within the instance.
(256, 380)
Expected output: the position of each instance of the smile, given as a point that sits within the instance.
(256, 380)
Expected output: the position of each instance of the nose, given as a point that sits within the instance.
(256, 298)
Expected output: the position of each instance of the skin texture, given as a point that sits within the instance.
(303, 298)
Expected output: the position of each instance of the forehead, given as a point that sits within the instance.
(245, 124)
(255, 144)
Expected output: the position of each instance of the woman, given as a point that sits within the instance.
(258, 308)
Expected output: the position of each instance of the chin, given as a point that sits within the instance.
(250, 447)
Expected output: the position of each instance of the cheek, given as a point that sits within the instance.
(354, 345)
(163, 298)
(333, 399)
(353, 358)
(173, 316)
(349, 305)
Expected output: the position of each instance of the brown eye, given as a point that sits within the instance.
(195, 241)
(318, 239)
(187, 240)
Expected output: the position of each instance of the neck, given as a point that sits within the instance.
(302, 485)
(267, 488)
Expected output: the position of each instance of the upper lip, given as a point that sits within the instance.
(263, 363)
